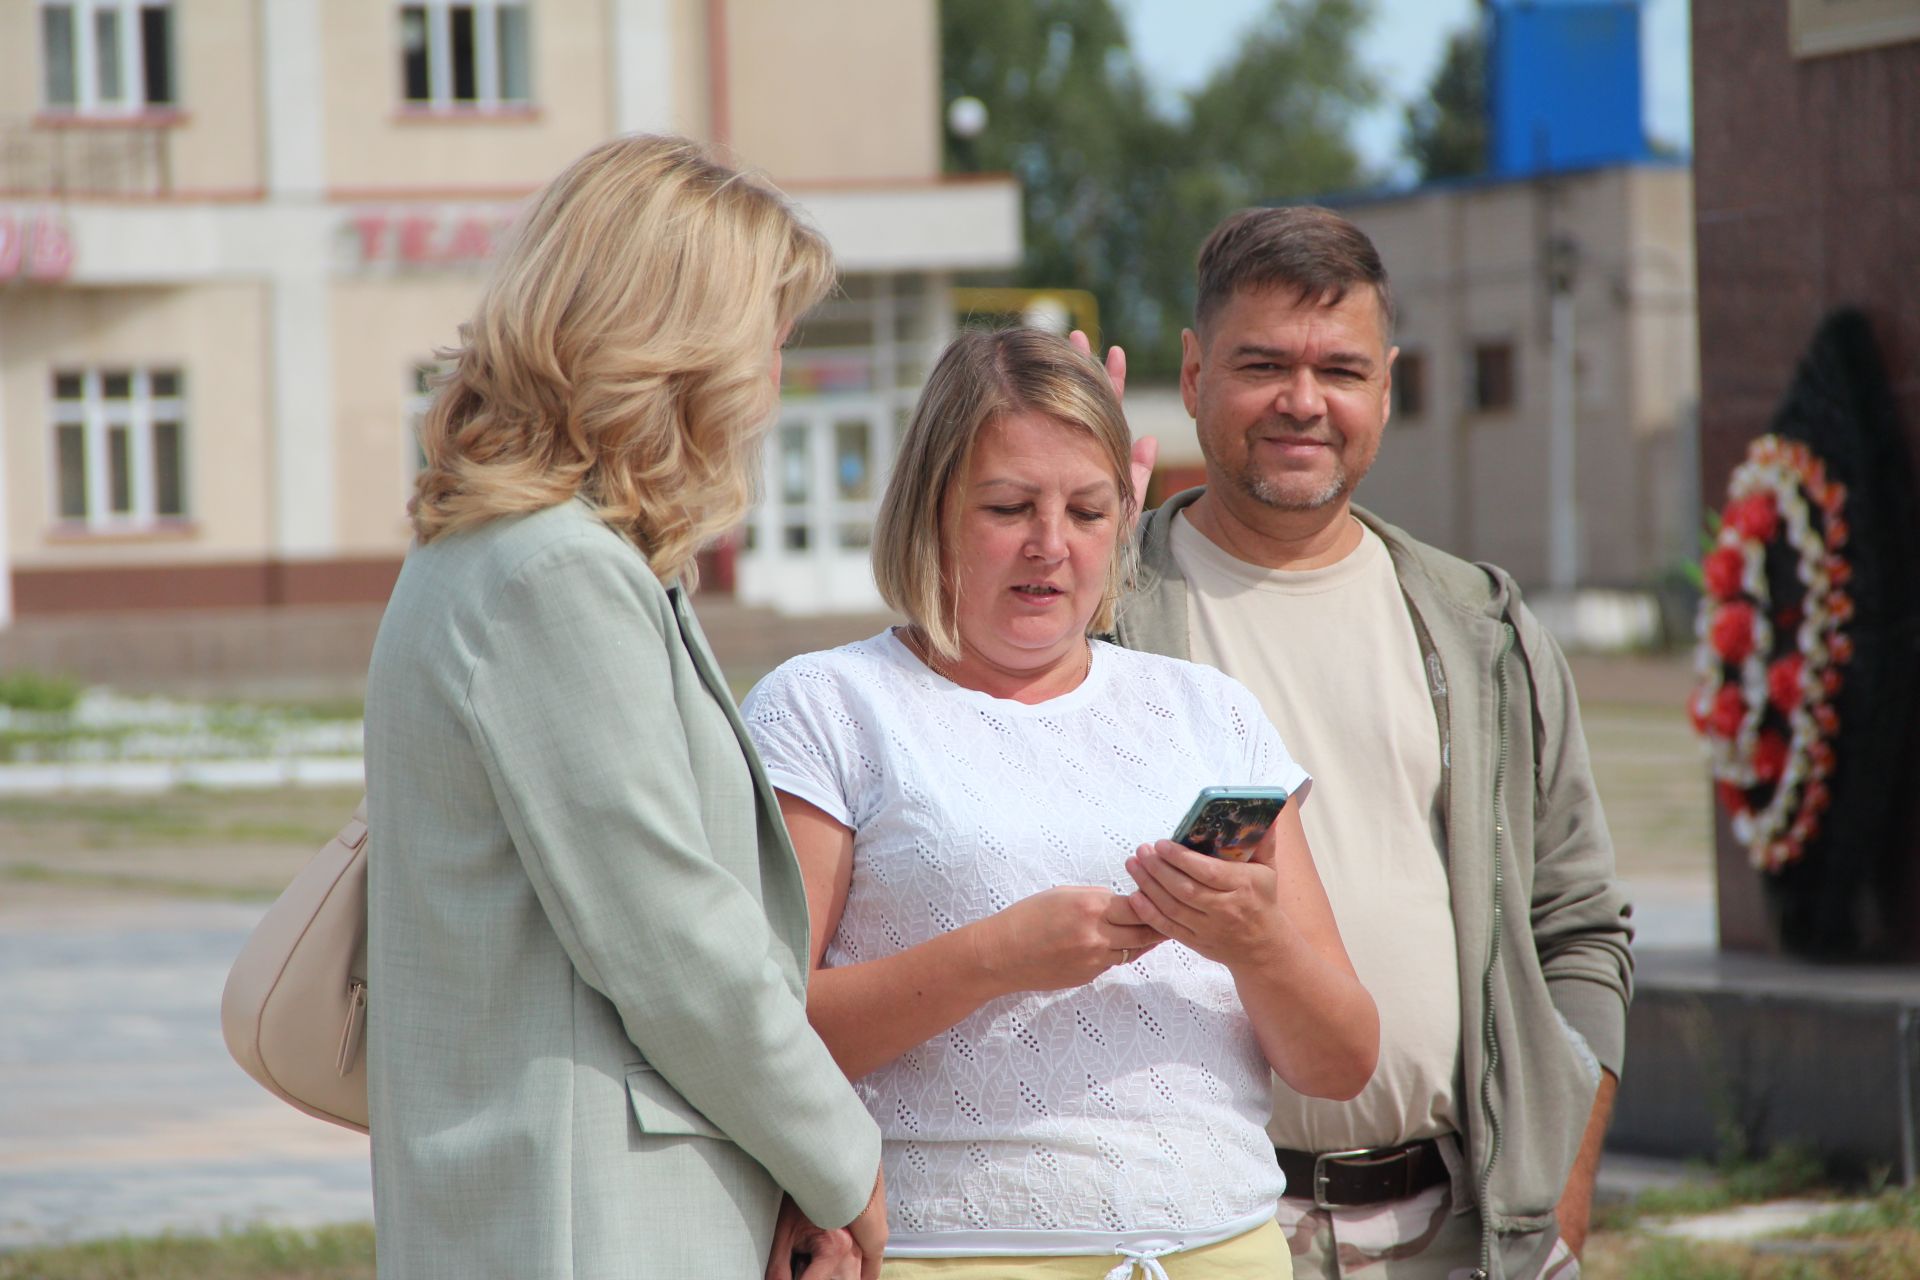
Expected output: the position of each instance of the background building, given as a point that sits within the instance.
(1467, 460)
(233, 234)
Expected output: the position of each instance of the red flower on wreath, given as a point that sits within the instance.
(1783, 681)
(1723, 570)
(1756, 517)
(1729, 710)
(1732, 634)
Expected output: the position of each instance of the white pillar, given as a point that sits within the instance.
(1563, 515)
(642, 49)
(301, 399)
(293, 97)
(301, 478)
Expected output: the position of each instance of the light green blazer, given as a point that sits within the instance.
(588, 1052)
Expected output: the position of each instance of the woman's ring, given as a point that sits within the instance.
(1126, 957)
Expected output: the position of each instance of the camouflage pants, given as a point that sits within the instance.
(1418, 1238)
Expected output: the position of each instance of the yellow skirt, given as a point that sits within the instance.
(1260, 1254)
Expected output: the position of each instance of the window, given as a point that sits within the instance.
(464, 55)
(853, 480)
(119, 447)
(1409, 385)
(1492, 376)
(106, 57)
(420, 392)
(796, 485)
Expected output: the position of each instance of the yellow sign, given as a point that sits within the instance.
(1036, 307)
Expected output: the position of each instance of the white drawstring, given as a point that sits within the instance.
(1148, 1260)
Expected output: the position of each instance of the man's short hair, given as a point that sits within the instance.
(1311, 250)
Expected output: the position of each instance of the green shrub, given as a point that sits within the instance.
(31, 691)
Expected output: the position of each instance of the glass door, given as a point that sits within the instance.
(808, 542)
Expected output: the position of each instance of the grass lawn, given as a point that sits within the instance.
(225, 844)
(264, 1253)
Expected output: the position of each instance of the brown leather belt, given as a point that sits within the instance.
(1350, 1179)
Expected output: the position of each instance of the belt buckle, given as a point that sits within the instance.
(1320, 1200)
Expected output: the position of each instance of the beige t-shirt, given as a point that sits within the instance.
(1332, 656)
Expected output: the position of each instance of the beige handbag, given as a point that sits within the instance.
(295, 1007)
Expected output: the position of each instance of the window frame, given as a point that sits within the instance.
(89, 102)
(1478, 383)
(1411, 395)
(421, 392)
(442, 74)
(139, 415)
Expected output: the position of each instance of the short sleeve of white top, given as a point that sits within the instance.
(1132, 1108)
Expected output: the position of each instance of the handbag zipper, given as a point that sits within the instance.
(351, 1033)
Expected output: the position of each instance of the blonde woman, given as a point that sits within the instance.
(1064, 1024)
(588, 1052)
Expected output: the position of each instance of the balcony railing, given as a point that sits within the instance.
(84, 158)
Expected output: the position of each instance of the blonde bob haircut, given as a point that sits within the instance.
(622, 351)
(983, 376)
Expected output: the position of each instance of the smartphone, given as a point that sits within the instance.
(1227, 822)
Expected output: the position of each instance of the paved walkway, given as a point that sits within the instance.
(120, 1111)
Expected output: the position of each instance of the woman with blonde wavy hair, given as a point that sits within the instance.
(588, 1046)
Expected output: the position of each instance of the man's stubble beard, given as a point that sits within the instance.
(1272, 490)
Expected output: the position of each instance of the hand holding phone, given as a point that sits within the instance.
(1229, 822)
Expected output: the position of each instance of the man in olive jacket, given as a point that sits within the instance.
(1454, 817)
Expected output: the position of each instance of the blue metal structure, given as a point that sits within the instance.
(1563, 86)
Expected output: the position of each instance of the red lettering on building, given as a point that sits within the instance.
(49, 250)
(36, 248)
(13, 244)
(472, 241)
(416, 239)
(425, 238)
(372, 229)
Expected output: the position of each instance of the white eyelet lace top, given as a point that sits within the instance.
(1127, 1115)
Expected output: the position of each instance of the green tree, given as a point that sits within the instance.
(1271, 125)
(1118, 194)
(1070, 116)
(1447, 130)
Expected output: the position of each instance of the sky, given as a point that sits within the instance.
(1178, 42)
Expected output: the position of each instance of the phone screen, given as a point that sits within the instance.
(1228, 822)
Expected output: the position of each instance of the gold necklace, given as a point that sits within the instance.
(922, 648)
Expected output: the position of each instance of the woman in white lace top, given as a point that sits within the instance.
(1063, 1023)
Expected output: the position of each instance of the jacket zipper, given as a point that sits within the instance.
(1493, 957)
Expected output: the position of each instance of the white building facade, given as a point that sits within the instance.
(235, 233)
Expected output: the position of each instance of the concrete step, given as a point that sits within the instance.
(1776, 1051)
